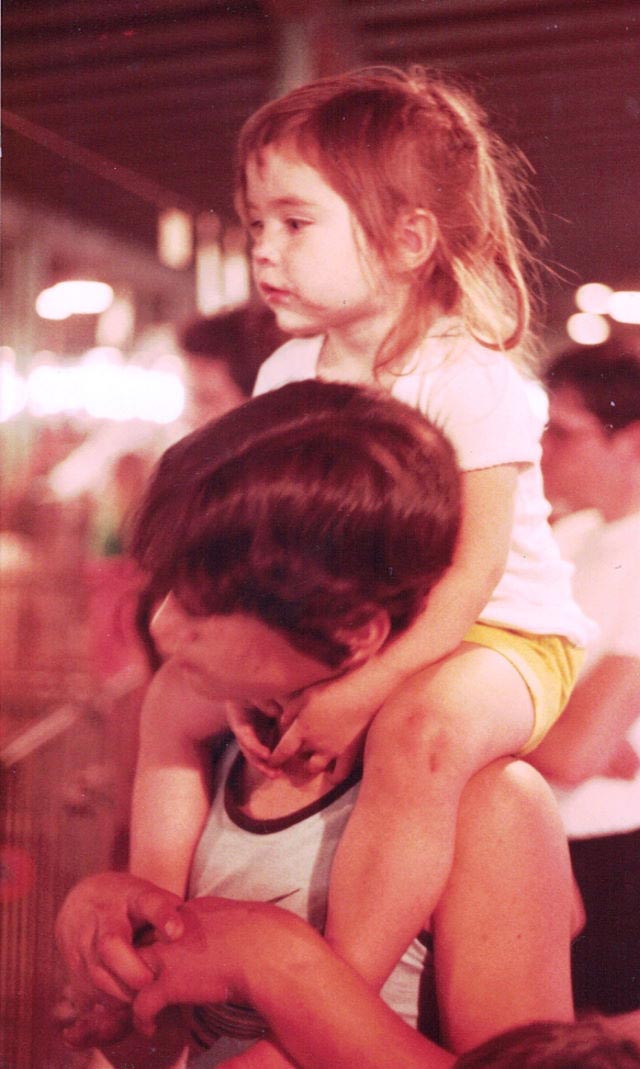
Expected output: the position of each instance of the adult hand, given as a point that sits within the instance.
(211, 960)
(97, 925)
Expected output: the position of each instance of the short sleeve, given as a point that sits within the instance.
(490, 412)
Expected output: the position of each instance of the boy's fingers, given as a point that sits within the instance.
(249, 743)
(252, 746)
(289, 714)
(318, 762)
(288, 746)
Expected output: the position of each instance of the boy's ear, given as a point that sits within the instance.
(416, 235)
(368, 639)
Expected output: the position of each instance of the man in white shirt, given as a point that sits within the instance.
(591, 466)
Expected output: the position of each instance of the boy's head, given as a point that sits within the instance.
(555, 1045)
(311, 509)
(592, 442)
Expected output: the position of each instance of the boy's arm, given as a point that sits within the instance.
(170, 793)
(503, 928)
(97, 924)
(600, 711)
(453, 606)
(319, 1009)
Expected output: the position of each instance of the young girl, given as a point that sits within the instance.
(381, 210)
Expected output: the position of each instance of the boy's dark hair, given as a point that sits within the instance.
(241, 337)
(606, 376)
(309, 507)
(584, 1044)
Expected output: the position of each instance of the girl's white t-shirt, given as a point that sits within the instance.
(492, 415)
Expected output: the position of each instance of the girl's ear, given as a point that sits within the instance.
(416, 235)
(367, 640)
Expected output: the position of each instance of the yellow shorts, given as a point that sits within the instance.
(549, 665)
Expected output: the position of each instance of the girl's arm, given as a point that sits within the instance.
(502, 930)
(453, 606)
(600, 711)
(170, 793)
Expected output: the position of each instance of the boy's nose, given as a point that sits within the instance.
(170, 626)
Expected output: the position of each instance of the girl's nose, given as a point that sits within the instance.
(170, 626)
(265, 248)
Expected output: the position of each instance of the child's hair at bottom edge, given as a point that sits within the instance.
(584, 1044)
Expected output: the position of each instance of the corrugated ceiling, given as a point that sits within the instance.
(101, 94)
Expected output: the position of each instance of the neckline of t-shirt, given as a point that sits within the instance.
(274, 824)
(443, 328)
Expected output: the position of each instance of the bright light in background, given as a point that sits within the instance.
(236, 277)
(101, 355)
(13, 391)
(175, 238)
(585, 328)
(116, 324)
(102, 386)
(74, 297)
(160, 395)
(594, 297)
(54, 390)
(209, 282)
(624, 306)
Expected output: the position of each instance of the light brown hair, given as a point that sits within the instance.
(389, 142)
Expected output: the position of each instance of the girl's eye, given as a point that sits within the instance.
(296, 224)
(255, 226)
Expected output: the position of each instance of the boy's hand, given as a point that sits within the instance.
(242, 721)
(329, 722)
(96, 927)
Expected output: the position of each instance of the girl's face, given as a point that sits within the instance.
(311, 261)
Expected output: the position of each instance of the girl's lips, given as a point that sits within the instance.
(273, 293)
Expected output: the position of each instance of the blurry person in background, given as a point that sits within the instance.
(222, 356)
(591, 467)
